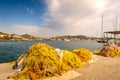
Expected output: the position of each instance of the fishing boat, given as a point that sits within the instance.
(101, 41)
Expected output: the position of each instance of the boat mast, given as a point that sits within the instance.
(102, 27)
(115, 30)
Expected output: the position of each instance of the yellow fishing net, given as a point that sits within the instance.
(110, 51)
(97, 52)
(83, 53)
(43, 61)
(70, 60)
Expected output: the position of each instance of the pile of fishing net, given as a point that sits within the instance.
(70, 60)
(43, 61)
(83, 53)
(110, 51)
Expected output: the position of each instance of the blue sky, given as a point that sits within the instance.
(47, 18)
(26, 12)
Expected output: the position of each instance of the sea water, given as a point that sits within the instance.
(10, 50)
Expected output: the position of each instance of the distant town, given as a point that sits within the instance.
(6, 36)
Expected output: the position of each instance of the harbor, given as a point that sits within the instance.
(59, 40)
(110, 38)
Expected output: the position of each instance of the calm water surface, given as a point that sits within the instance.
(10, 50)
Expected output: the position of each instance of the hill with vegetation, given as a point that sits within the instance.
(69, 37)
(6, 36)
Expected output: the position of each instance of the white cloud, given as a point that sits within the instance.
(71, 17)
(80, 17)
(25, 29)
(28, 29)
(29, 10)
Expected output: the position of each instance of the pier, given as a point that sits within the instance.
(112, 35)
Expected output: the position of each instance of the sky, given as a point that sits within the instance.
(48, 18)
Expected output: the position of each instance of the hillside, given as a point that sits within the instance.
(6, 36)
(27, 36)
(2, 33)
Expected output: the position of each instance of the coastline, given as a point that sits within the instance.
(104, 68)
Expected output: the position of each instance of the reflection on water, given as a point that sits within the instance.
(10, 50)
